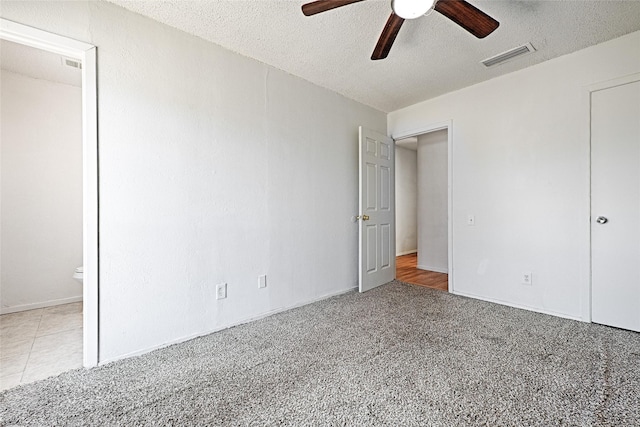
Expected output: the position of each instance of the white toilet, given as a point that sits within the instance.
(77, 274)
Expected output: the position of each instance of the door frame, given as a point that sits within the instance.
(85, 52)
(588, 91)
(433, 127)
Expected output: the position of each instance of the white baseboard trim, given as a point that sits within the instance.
(436, 269)
(520, 306)
(25, 307)
(221, 328)
(413, 251)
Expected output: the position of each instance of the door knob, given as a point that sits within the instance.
(363, 217)
(601, 220)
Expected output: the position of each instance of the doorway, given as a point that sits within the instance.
(615, 203)
(41, 218)
(84, 54)
(423, 206)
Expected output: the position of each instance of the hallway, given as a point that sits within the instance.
(406, 271)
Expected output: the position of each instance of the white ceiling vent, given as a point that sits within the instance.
(509, 55)
(74, 63)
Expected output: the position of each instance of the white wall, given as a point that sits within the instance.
(406, 201)
(521, 166)
(41, 192)
(213, 168)
(433, 198)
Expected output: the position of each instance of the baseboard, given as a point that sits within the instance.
(25, 307)
(227, 326)
(436, 269)
(413, 251)
(520, 306)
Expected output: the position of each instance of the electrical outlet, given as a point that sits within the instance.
(527, 278)
(262, 281)
(221, 291)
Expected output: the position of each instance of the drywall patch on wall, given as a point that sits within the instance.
(406, 201)
(433, 197)
(213, 168)
(521, 167)
(41, 193)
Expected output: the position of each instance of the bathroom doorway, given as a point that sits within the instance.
(62, 153)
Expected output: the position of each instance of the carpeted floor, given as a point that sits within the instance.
(399, 355)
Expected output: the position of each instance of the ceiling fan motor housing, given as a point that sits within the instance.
(411, 9)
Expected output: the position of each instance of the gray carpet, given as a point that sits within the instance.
(399, 355)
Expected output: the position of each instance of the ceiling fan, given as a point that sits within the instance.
(462, 13)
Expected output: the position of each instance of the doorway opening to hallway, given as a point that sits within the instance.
(422, 208)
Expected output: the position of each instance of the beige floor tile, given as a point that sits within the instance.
(74, 307)
(47, 365)
(54, 354)
(53, 322)
(10, 381)
(15, 347)
(37, 344)
(58, 344)
(11, 340)
(22, 325)
(13, 364)
(13, 319)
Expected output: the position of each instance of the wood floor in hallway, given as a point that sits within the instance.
(407, 271)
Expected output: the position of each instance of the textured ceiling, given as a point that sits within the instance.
(37, 63)
(430, 57)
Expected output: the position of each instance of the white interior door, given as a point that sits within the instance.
(615, 206)
(377, 210)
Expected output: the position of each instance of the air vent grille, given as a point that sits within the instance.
(74, 63)
(509, 55)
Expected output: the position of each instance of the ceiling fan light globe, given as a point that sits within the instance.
(411, 9)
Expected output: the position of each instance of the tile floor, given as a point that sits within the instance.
(37, 344)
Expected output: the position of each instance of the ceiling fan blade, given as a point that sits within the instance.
(324, 5)
(387, 37)
(468, 17)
